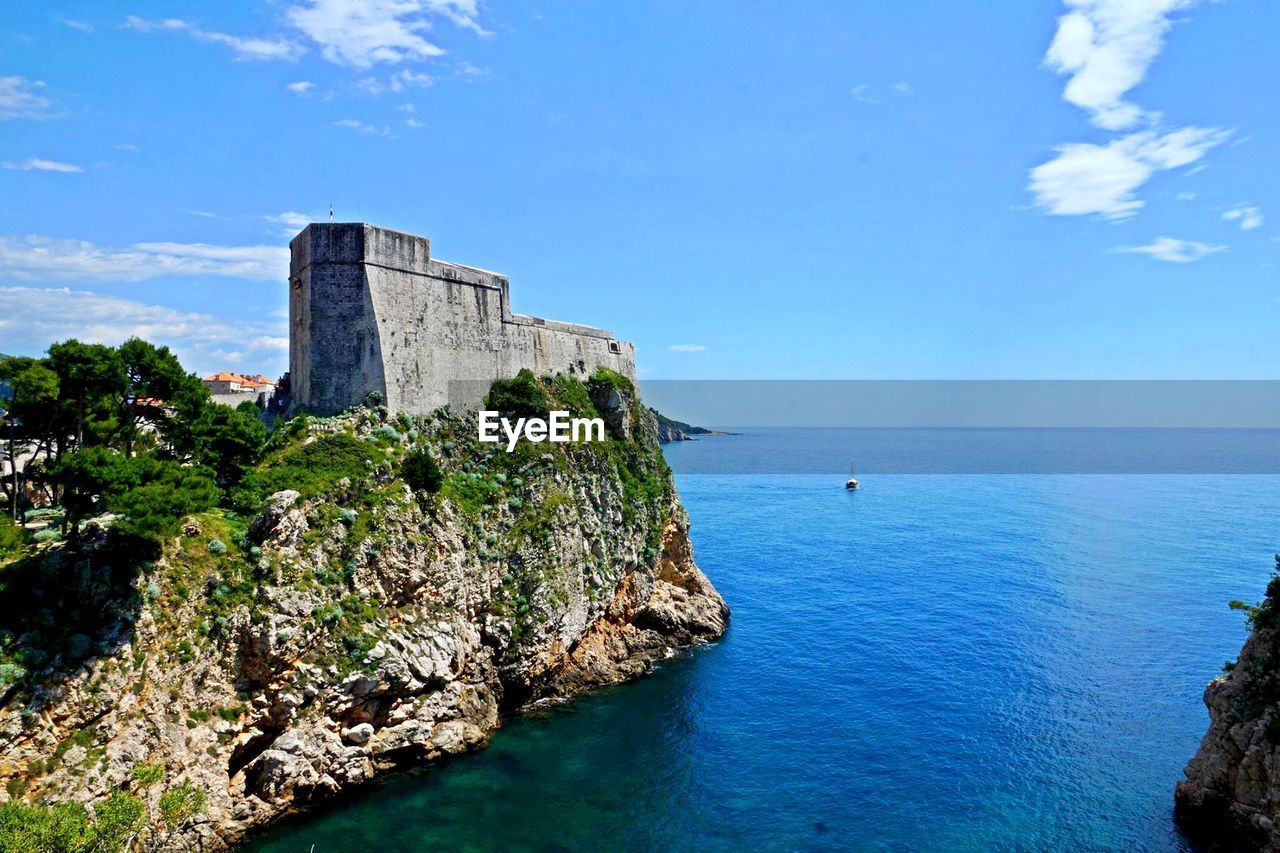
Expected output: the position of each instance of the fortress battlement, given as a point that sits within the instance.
(371, 310)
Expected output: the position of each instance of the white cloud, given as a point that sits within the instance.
(244, 48)
(1173, 250)
(32, 318)
(37, 258)
(361, 127)
(413, 122)
(292, 221)
(406, 108)
(77, 25)
(1247, 215)
(1106, 47)
(204, 214)
(37, 164)
(364, 33)
(866, 93)
(126, 146)
(398, 82)
(19, 98)
(1103, 179)
(686, 348)
(1187, 196)
(301, 87)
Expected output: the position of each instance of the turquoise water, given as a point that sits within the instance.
(933, 662)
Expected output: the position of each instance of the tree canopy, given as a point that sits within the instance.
(125, 430)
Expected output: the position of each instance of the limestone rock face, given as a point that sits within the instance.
(365, 642)
(1231, 795)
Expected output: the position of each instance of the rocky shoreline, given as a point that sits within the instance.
(1230, 798)
(365, 627)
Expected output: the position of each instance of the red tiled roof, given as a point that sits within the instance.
(256, 381)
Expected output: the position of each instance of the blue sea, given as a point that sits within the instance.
(956, 661)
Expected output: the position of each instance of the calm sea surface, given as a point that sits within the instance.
(963, 661)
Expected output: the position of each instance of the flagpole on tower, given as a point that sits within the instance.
(331, 213)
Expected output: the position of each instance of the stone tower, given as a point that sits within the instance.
(371, 310)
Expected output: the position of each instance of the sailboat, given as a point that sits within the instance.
(851, 483)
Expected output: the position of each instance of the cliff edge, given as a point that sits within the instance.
(390, 591)
(1231, 796)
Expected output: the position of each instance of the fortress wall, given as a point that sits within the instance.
(334, 353)
(434, 328)
(372, 311)
(545, 346)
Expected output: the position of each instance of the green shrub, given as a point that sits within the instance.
(117, 819)
(10, 538)
(572, 395)
(216, 546)
(519, 397)
(604, 377)
(49, 534)
(420, 470)
(153, 511)
(10, 673)
(146, 774)
(469, 494)
(180, 804)
(64, 827)
(311, 469)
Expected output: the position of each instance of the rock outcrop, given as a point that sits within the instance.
(670, 429)
(1231, 796)
(357, 626)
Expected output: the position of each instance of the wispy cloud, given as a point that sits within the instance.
(413, 122)
(38, 164)
(1106, 47)
(398, 82)
(77, 25)
(361, 127)
(301, 87)
(38, 258)
(1247, 215)
(244, 48)
(364, 34)
(1103, 179)
(32, 318)
(20, 98)
(1173, 250)
(686, 348)
(291, 221)
(866, 93)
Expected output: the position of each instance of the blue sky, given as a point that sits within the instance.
(1080, 189)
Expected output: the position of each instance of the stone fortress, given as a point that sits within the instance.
(371, 311)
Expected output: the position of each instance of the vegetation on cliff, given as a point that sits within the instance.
(214, 614)
(1232, 791)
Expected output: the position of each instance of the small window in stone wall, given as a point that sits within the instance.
(615, 347)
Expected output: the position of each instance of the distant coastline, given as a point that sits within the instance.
(670, 429)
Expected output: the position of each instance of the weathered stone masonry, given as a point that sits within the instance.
(370, 310)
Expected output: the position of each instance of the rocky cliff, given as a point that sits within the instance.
(1231, 796)
(392, 590)
(670, 429)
